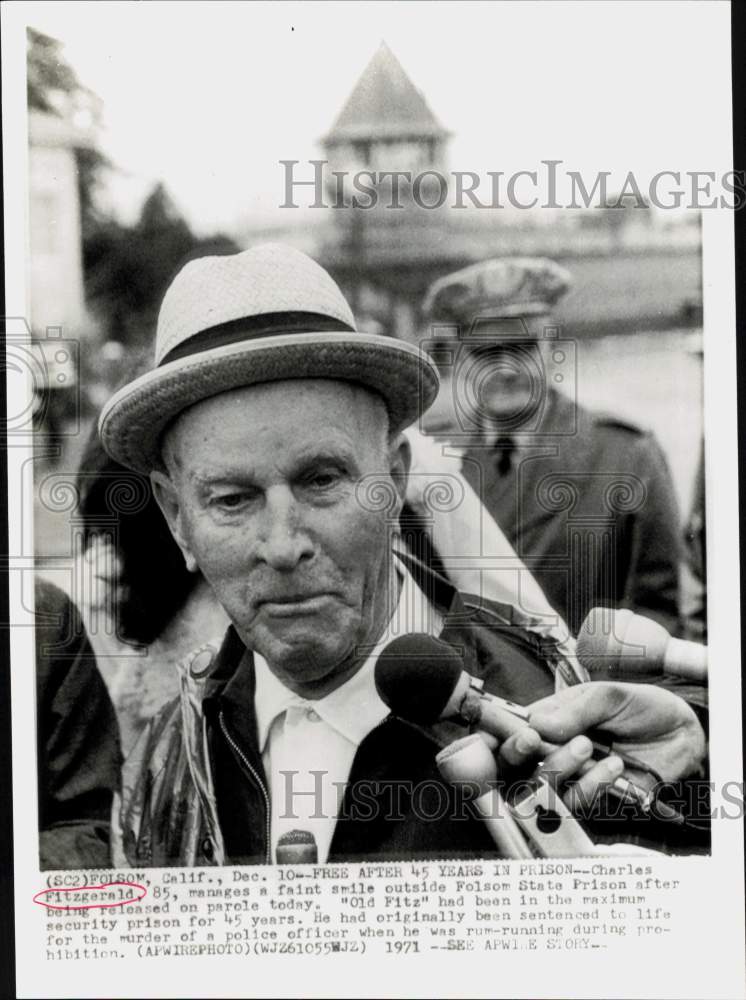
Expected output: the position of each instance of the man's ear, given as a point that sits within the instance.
(167, 498)
(400, 460)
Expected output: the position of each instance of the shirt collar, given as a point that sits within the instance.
(354, 708)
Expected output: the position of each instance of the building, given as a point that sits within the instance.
(385, 256)
(62, 121)
(631, 271)
(56, 278)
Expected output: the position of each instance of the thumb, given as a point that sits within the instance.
(577, 709)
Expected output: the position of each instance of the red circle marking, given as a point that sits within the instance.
(90, 906)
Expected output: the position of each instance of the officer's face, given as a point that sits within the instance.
(506, 380)
(262, 497)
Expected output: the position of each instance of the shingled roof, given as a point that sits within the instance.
(385, 104)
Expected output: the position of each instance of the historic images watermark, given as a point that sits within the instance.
(549, 186)
(697, 801)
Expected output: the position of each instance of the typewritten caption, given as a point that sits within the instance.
(359, 908)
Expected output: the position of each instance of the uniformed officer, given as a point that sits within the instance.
(585, 498)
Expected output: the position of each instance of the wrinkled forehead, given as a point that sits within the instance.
(287, 408)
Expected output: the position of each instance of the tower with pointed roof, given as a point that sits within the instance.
(386, 123)
(383, 256)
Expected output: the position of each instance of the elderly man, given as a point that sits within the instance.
(585, 498)
(272, 432)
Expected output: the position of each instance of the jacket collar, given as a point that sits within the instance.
(232, 651)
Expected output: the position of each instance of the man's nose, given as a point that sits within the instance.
(284, 540)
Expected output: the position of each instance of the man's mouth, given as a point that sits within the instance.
(286, 605)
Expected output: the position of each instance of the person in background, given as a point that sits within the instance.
(143, 611)
(586, 499)
(78, 754)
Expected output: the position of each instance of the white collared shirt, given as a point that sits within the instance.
(308, 747)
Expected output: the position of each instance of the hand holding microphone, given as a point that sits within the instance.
(647, 722)
(538, 820)
(422, 679)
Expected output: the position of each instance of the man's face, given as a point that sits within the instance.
(505, 381)
(261, 496)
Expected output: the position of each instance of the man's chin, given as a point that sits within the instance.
(303, 658)
(507, 405)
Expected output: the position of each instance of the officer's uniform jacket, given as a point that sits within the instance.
(589, 506)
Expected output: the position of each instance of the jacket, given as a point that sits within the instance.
(78, 755)
(589, 505)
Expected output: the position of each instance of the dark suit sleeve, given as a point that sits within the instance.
(652, 585)
(78, 752)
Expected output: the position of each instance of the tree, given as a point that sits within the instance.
(50, 81)
(129, 268)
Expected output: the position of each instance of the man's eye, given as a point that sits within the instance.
(324, 480)
(230, 501)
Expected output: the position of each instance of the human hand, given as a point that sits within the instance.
(645, 722)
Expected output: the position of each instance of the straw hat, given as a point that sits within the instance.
(266, 314)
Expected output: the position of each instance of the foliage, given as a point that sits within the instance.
(49, 78)
(129, 268)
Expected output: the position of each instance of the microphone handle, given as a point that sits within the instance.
(469, 759)
(549, 825)
(501, 825)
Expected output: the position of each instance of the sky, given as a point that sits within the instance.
(209, 97)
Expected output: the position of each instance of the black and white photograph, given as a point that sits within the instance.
(373, 556)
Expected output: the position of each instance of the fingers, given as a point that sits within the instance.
(489, 739)
(645, 721)
(522, 748)
(638, 712)
(526, 748)
(566, 760)
(581, 795)
(577, 709)
(572, 760)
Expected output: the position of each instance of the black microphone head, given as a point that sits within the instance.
(415, 676)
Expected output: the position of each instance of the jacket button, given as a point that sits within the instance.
(207, 849)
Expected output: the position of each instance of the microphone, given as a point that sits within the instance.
(470, 760)
(618, 645)
(422, 679)
(298, 847)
